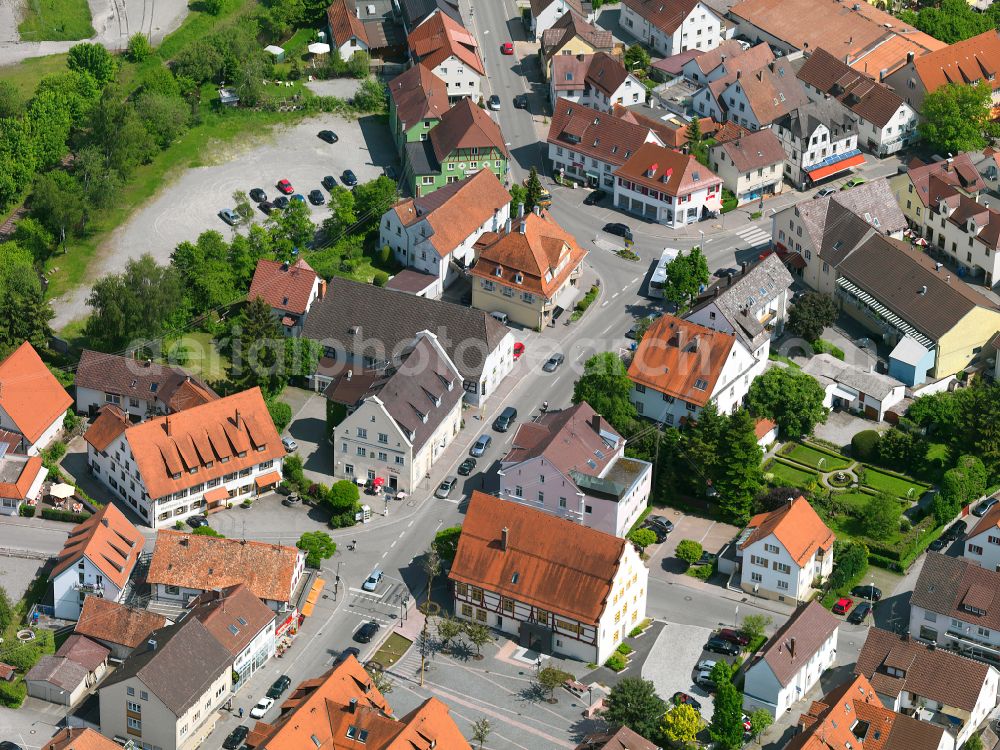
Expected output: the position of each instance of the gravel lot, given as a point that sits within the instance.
(671, 661)
(188, 206)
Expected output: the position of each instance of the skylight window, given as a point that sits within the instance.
(234, 630)
(591, 463)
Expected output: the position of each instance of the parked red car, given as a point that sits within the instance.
(843, 605)
(285, 187)
(518, 350)
(728, 634)
(507, 48)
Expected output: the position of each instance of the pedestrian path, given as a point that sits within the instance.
(753, 235)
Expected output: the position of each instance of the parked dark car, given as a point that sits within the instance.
(938, 544)
(661, 535)
(953, 532)
(316, 197)
(236, 737)
(665, 523)
(279, 686)
(594, 198)
(707, 558)
(465, 468)
(720, 646)
(619, 229)
(258, 195)
(280, 202)
(868, 591)
(860, 613)
(329, 182)
(349, 651)
(505, 419)
(733, 636)
(722, 273)
(349, 178)
(197, 520)
(366, 632)
(984, 507)
(266, 206)
(679, 698)
(328, 135)
(521, 101)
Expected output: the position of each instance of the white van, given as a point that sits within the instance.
(501, 316)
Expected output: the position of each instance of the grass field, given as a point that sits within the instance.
(817, 459)
(857, 500)
(55, 21)
(791, 476)
(392, 650)
(893, 485)
(205, 360)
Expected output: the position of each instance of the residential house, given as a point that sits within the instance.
(815, 236)
(598, 80)
(556, 586)
(704, 67)
(869, 39)
(587, 144)
(946, 321)
(886, 124)
(672, 26)
(969, 61)
(21, 479)
(185, 566)
(571, 463)
(573, 35)
(680, 367)
(766, 431)
(169, 694)
(751, 167)
(852, 716)
(68, 675)
(527, 270)
(919, 189)
(790, 664)
(954, 606)
(753, 306)
(343, 708)
(415, 12)
(435, 233)
(820, 141)
(289, 289)
(400, 419)
(118, 627)
(666, 69)
(80, 738)
(785, 552)
(933, 685)
(622, 739)
(380, 29)
(720, 70)
(982, 543)
(32, 403)
(855, 387)
(667, 186)
(242, 623)
(545, 13)
(444, 46)
(139, 388)
(347, 33)
(761, 97)
(362, 327)
(418, 100)
(191, 462)
(465, 141)
(97, 559)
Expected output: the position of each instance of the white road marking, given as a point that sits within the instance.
(753, 235)
(615, 295)
(637, 278)
(409, 524)
(605, 303)
(393, 543)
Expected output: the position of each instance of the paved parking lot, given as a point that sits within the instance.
(190, 205)
(670, 664)
(712, 535)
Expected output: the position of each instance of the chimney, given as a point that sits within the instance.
(948, 278)
(322, 289)
(166, 424)
(104, 522)
(152, 644)
(520, 210)
(350, 374)
(923, 290)
(521, 227)
(581, 57)
(237, 419)
(937, 266)
(504, 538)
(791, 647)
(739, 73)
(729, 279)
(538, 210)
(284, 266)
(743, 268)
(595, 422)
(149, 362)
(506, 227)
(353, 705)
(909, 58)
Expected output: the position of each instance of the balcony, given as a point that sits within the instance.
(91, 588)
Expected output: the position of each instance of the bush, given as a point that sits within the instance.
(281, 414)
(850, 563)
(381, 278)
(27, 511)
(616, 662)
(689, 551)
(624, 649)
(729, 201)
(54, 452)
(54, 514)
(384, 255)
(342, 520)
(880, 516)
(702, 572)
(138, 48)
(864, 444)
(822, 346)
(588, 298)
(12, 694)
(642, 538)
(292, 471)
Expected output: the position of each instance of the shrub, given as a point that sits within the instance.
(138, 48)
(381, 278)
(689, 550)
(702, 572)
(863, 445)
(54, 514)
(292, 470)
(281, 414)
(642, 538)
(588, 298)
(616, 662)
(822, 346)
(342, 520)
(12, 694)
(55, 451)
(624, 649)
(27, 511)
(384, 255)
(850, 563)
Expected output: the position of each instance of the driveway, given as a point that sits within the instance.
(711, 534)
(308, 429)
(671, 661)
(841, 426)
(189, 206)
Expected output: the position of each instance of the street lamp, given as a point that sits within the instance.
(701, 245)
(736, 617)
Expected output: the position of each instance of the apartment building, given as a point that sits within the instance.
(597, 80)
(673, 26)
(982, 543)
(447, 49)
(751, 167)
(820, 140)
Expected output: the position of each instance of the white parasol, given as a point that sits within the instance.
(62, 490)
(319, 48)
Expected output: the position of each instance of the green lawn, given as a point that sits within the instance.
(792, 476)
(55, 21)
(857, 500)
(392, 650)
(205, 360)
(27, 75)
(817, 459)
(893, 485)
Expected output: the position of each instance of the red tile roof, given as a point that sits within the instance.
(465, 126)
(440, 37)
(967, 61)
(77, 738)
(667, 171)
(418, 94)
(282, 286)
(30, 394)
(110, 423)
(666, 15)
(344, 24)
(989, 522)
(109, 540)
(204, 442)
(543, 255)
(18, 489)
(763, 426)
(569, 26)
(796, 526)
(233, 615)
(867, 98)
(107, 620)
(557, 564)
(754, 150)
(675, 356)
(596, 134)
(945, 178)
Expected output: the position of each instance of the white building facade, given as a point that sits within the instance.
(701, 28)
(461, 79)
(769, 570)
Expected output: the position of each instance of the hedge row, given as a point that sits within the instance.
(909, 546)
(823, 447)
(54, 514)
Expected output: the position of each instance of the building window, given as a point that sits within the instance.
(562, 502)
(541, 497)
(518, 491)
(134, 724)
(756, 577)
(771, 548)
(781, 567)
(756, 560)
(362, 433)
(349, 469)
(131, 690)
(383, 438)
(783, 585)
(133, 707)
(975, 549)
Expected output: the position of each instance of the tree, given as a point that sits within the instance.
(374, 198)
(165, 116)
(760, 720)
(550, 678)
(248, 78)
(637, 59)
(30, 234)
(135, 306)
(954, 493)
(208, 531)
(116, 127)
(533, 191)
(754, 626)
(689, 551)
(6, 610)
(92, 59)
(431, 564)
(448, 629)
(975, 473)
(11, 100)
(280, 413)
(446, 542)
(687, 274)
(811, 314)
(49, 121)
(342, 496)
(17, 158)
(518, 196)
(726, 729)
(318, 547)
(633, 702)
(257, 348)
(952, 22)
(57, 202)
(26, 311)
(200, 61)
(479, 635)
(242, 205)
(681, 725)
(975, 742)
(864, 445)
(359, 65)
(955, 117)
(850, 563)
(380, 679)
(741, 476)
(100, 181)
(774, 498)
(694, 133)
(642, 538)
(880, 516)
(721, 671)
(371, 96)
(342, 216)
(138, 48)
(606, 386)
(791, 398)
(290, 230)
(481, 730)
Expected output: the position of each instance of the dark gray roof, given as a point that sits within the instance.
(126, 376)
(379, 323)
(60, 671)
(415, 11)
(186, 649)
(875, 203)
(420, 158)
(845, 232)
(827, 368)
(805, 119)
(946, 584)
(796, 641)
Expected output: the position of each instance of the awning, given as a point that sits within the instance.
(314, 592)
(214, 495)
(267, 480)
(840, 166)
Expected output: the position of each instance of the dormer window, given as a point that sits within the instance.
(498, 271)
(518, 278)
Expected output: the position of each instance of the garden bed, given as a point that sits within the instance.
(789, 475)
(816, 459)
(882, 481)
(392, 650)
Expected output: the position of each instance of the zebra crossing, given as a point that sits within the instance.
(754, 235)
